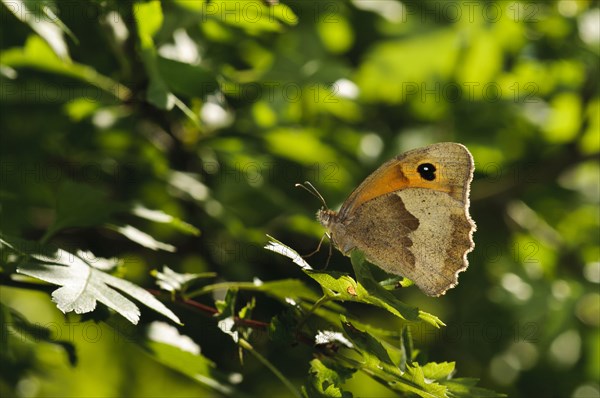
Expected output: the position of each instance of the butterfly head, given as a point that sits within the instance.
(326, 217)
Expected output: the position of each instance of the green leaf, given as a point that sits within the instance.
(308, 151)
(283, 326)
(192, 81)
(252, 16)
(158, 93)
(142, 238)
(149, 18)
(37, 54)
(40, 17)
(376, 294)
(374, 354)
(246, 311)
(407, 348)
(465, 388)
(180, 353)
(79, 205)
(428, 381)
(226, 307)
(325, 379)
(160, 216)
(226, 315)
(394, 282)
(13, 323)
(342, 287)
(82, 285)
(172, 281)
(291, 292)
(284, 290)
(438, 371)
(417, 384)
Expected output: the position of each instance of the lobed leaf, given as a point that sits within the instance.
(83, 285)
(172, 281)
(325, 379)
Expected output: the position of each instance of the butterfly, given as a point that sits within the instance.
(410, 217)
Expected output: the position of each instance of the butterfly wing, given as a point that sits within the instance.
(411, 224)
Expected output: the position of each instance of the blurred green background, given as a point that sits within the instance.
(212, 111)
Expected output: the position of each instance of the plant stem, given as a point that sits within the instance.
(248, 347)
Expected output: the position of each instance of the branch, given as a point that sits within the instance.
(259, 325)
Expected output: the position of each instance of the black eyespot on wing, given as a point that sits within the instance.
(426, 171)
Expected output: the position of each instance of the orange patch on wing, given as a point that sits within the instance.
(388, 180)
(393, 178)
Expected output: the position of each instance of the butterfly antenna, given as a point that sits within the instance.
(313, 191)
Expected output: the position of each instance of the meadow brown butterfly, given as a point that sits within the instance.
(411, 216)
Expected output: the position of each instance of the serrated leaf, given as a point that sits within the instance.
(374, 354)
(172, 281)
(325, 379)
(330, 336)
(378, 363)
(416, 383)
(82, 285)
(290, 292)
(276, 246)
(343, 287)
(438, 371)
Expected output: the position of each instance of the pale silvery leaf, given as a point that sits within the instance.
(162, 332)
(226, 325)
(82, 286)
(143, 238)
(161, 217)
(172, 281)
(328, 336)
(276, 246)
(105, 264)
